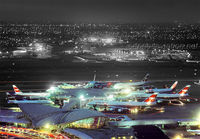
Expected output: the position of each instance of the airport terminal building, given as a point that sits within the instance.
(75, 123)
(82, 123)
(46, 116)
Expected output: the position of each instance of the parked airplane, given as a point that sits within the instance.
(17, 101)
(59, 94)
(20, 97)
(103, 84)
(174, 102)
(123, 85)
(182, 93)
(195, 132)
(164, 90)
(27, 99)
(150, 101)
(19, 92)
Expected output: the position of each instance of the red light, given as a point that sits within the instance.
(109, 84)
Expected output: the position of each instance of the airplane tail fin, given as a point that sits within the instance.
(151, 99)
(174, 85)
(16, 89)
(94, 78)
(146, 77)
(90, 84)
(184, 90)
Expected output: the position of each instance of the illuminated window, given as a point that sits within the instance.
(95, 122)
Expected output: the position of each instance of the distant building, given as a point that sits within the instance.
(35, 49)
(20, 53)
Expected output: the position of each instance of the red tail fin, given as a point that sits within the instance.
(151, 99)
(184, 90)
(17, 91)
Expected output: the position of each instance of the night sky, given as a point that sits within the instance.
(100, 11)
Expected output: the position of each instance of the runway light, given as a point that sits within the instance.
(134, 110)
(110, 97)
(82, 97)
(52, 88)
(162, 110)
(47, 125)
(148, 103)
(177, 137)
(127, 91)
(198, 117)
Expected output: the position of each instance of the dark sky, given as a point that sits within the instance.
(100, 11)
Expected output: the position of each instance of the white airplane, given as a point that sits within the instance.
(182, 93)
(162, 90)
(15, 101)
(195, 132)
(19, 92)
(150, 101)
(59, 94)
(20, 97)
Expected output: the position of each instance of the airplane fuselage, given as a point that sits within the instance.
(119, 104)
(159, 95)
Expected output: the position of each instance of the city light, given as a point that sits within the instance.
(100, 40)
(93, 39)
(39, 47)
(108, 40)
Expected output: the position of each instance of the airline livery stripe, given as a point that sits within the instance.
(16, 89)
(152, 98)
(184, 90)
